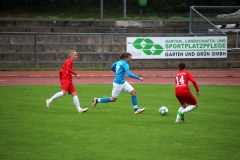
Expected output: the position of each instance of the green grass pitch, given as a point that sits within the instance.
(28, 130)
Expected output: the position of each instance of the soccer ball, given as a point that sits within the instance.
(163, 110)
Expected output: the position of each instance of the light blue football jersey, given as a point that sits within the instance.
(120, 68)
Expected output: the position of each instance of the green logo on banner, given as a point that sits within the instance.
(147, 46)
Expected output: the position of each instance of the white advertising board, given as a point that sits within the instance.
(177, 47)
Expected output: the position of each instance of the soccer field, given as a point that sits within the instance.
(112, 131)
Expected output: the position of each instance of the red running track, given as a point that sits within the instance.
(235, 81)
(207, 77)
(149, 73)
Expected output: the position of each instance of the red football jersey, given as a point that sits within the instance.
(181, 82)
(66, 70)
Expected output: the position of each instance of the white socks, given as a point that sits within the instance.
(135, 107)
(60, 94)
(55, 96)
(178, 117)
(189, 108)
(76, 102)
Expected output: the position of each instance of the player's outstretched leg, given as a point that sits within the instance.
(189, 108)
(55, 96)
(100, 100)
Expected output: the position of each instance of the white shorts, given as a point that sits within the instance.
(117, 88)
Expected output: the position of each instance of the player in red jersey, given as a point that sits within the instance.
(67, 85)
(183, 93)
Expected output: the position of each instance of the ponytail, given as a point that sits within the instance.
(124, 55)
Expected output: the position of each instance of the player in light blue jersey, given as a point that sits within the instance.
(119, 83)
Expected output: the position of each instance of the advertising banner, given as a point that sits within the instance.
(177, 47)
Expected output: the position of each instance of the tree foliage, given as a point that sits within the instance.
(111, 5)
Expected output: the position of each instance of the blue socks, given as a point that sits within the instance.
(104, 100)
(134, 102)
(107, 99)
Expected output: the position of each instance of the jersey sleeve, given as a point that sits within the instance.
(193, 82)
(113, 67)
(69, 69)
(129, 73)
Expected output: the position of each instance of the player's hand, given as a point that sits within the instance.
(198, 93)
(141, 79)
(78, 76)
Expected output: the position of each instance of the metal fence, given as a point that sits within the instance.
(200, 24)
(102, 35)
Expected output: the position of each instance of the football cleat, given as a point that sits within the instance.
(94, 102)
(83, 110)
(48, 103)
(181, 115)
(139, 110)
